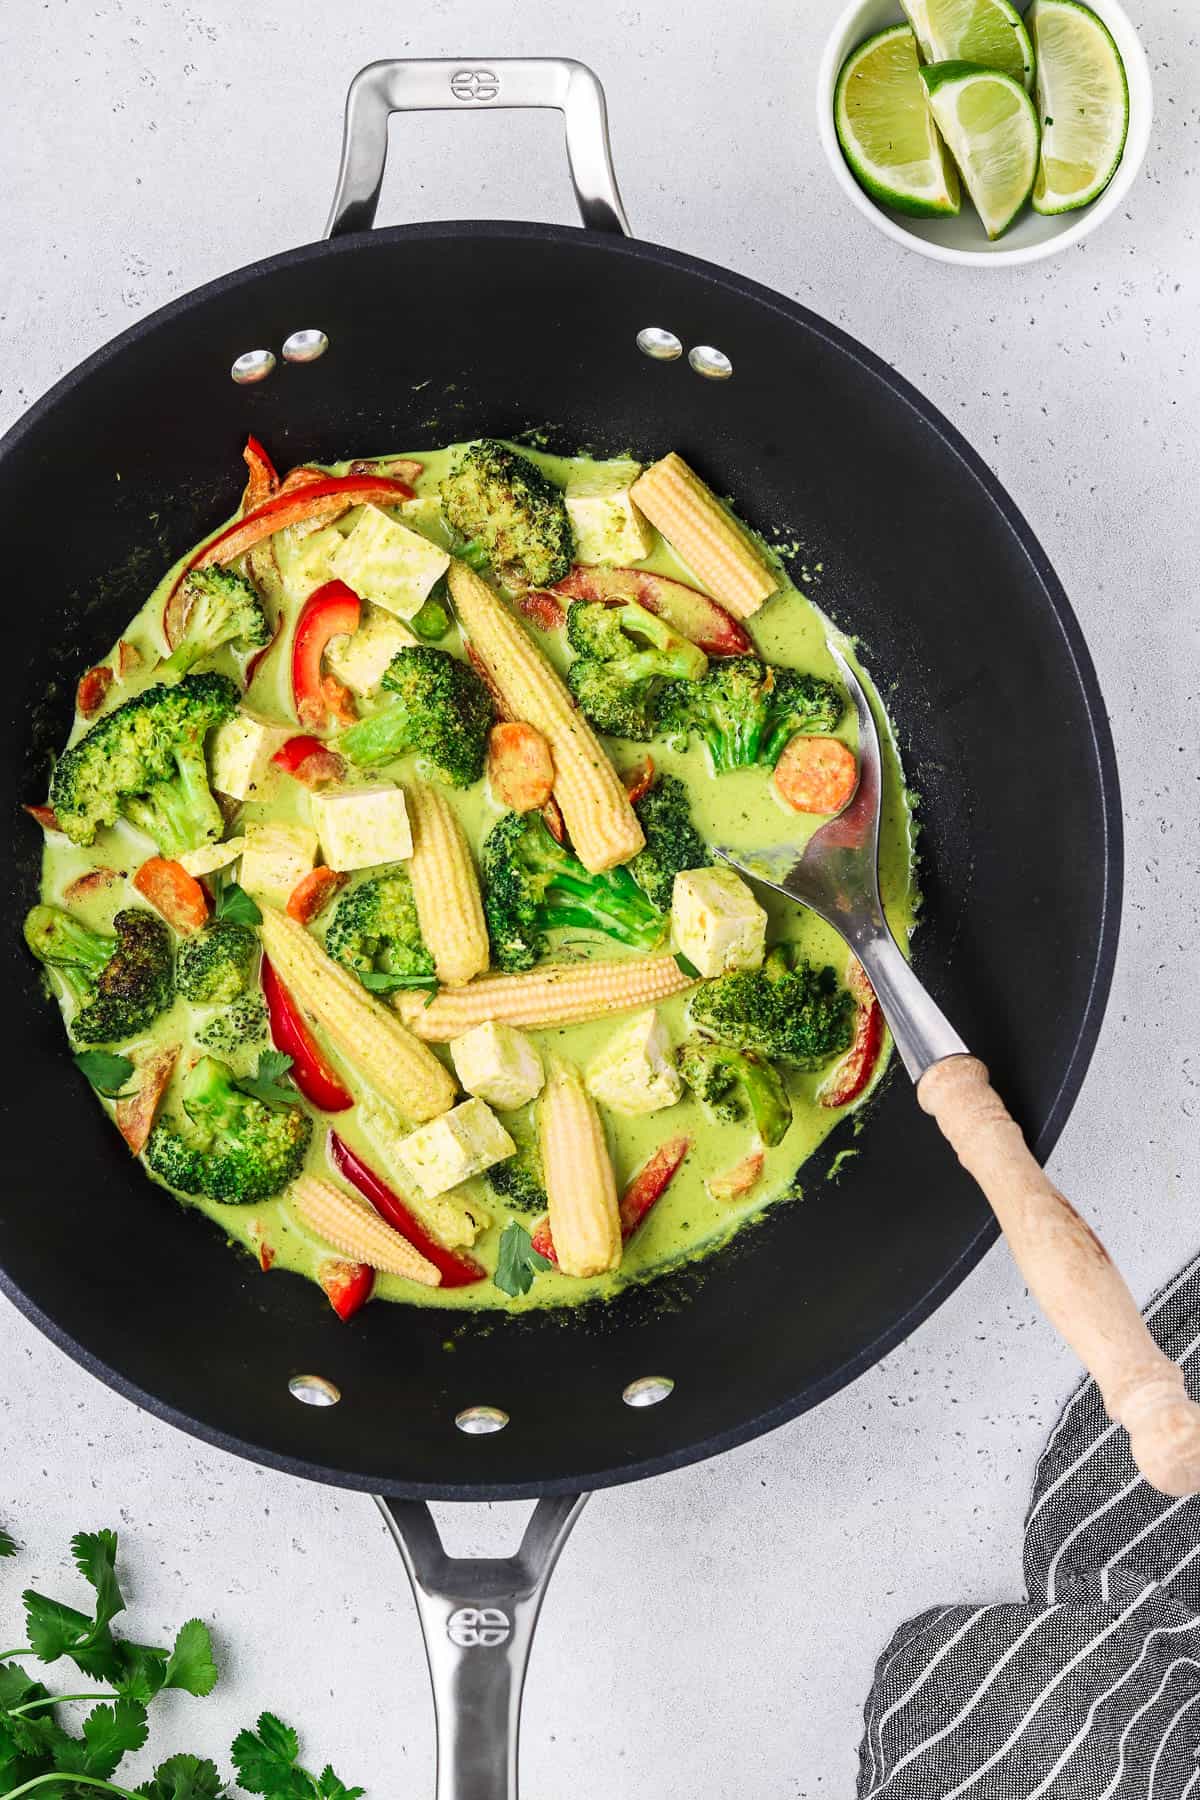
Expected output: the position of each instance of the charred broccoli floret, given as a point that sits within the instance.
(624, 657)
(506, 506)
(518, 1182)
(672, 841)
(226, 1144)
(375, 932)
(213, 966)
(745, 711)
(533, 885)
(729, 1082)
(236, 1027)
(122, 982)
(145, 761)
(789, 1010)
(222, 608)
(441, 710)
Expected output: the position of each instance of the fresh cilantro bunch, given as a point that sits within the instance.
(39, 1755)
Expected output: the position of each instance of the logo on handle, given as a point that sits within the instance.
(478, 1627)
(473, 85)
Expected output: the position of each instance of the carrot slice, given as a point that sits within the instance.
(816, 775)
(520, 768)
(93, 687)
(174, 893)
(313, 892)
(135, 1113)
(739, 1181)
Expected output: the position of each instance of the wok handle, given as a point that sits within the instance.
(478, 1618)
(1070, 1274)
(443, 84)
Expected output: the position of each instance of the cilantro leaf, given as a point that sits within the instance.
(7, 1544)
(184, 1778)
(52, 1627)
(190, 1664)
(378, 981)
(235, 904)
(142, 1672)
(95, 1554)
(265, 1083)
(265, 1761)
(329, 1787)
(17, 1686)
(109, 1733)
(518, 1261)
(106, 1072)
(686, 967)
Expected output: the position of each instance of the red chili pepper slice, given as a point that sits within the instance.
(456, 1270)
(320, 499)
(852, 1073)
(310, 1071)
(541, 1241)
(334, 610)
(308, 761)
(644, 1191)
(347, 1285)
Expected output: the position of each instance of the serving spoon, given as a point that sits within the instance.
(1065, 1266)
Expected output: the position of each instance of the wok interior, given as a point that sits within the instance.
(446, 332)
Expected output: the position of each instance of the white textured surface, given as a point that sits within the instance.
(712, 1632)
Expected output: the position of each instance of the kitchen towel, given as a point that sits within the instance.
(1090, 1689)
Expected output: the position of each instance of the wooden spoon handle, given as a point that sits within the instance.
(1071, 1275)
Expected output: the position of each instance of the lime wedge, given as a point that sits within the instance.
(988, 32)
(885, 129)
(989, 123)
(1083, 104)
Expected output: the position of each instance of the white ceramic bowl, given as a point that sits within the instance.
(962, 240)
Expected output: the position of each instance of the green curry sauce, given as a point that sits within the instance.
(738, 809)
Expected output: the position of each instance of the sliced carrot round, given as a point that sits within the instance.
(816, 775)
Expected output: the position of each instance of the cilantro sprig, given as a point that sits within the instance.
(39, 1754)
(518, 1262)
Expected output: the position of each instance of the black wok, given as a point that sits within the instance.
(965, 626)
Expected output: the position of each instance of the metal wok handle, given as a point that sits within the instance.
(478, 1618)
(440, 84)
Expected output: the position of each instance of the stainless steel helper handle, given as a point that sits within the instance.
(478, 1617)
(444, 84)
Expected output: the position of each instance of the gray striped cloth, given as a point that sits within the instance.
(1091, 1689)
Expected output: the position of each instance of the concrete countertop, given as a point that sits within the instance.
(713, 1631)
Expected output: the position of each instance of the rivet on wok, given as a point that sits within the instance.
(662, 345)
(314, 1390)
(479, 1421)
(304, 346)
(648, 1390)
(713, 364)
(255, 365)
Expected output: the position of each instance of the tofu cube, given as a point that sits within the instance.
(361, 659)
(424, 514)
(634, 1072)
(387, 564)
(463, 1142)
(240, 753)
(304, 559)
(607, 524)
(210, 857)
(719, 925)
(498, 1064)
(361, 827)
(275, 858)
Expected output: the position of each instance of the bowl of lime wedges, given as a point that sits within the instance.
(975, 132)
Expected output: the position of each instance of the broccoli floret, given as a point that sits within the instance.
(624, 657)
(122, 982)
(533, 885)
(788, 1010)
(672, 841)
(236, 1027)
(441, 710)
(375, 932)
(226, 1144)
(222, 608)
(145, 760)
(214, 965)
(504, 503)
(745, 710)
(728, 1081)
(518, 1182)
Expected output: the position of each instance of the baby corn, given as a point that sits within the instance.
(568, 994)
(445, 887)
(585, 1220)
(369, 1036)
(603, 825)
(356, 1229)
(710, 541)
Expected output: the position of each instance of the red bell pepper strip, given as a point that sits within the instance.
(310, 1071)
(262, 477)
(541, 608)
(46, 817)
(400, 468)
(742, 1179)
(455, 1269)
(334, 610)
(644, 1191)
(313, 892)
(93, 689)
(852, 1073)
(693, 615)
(307, 760)
(317, 500)
(347, 1285)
